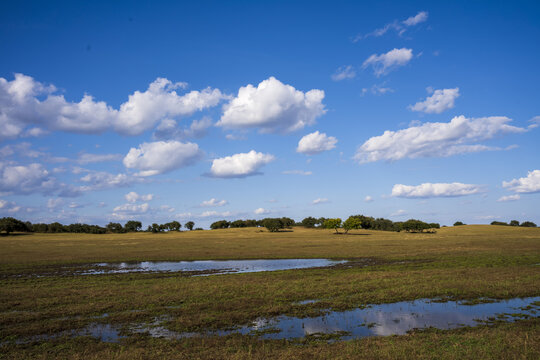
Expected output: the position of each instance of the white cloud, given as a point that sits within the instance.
(399, 26)
(509, 198)
(377, 90)
(86, 158)
(315, 143)
(428, 190)
(10, 207)
(55, 204)
(440, 101)
(368, 199)
(529, 184)
(261, 211)
(240, 165)
(25, 102)
(25, 179)
(272, 107)
(344, 72)
(384, 63)
(168, 129)
(535, 122)
(99, 180)
(212, 213)
(161, 156)
(297, 172)
(417, 19)
(125, 211)
(320, 201)
(458, 136)
(400, 212)
(213, 202)
(133, 197)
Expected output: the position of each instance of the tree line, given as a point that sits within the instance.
(9, 225)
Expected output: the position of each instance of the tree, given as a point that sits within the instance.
(499, 223)
(114, 227)
(174, 226)
(514, 223)
(156, 228)
(189, 225)
(352, 223)
(528, 224)
(458, 223)
(238, 224)
(309, 222)
(413, 225)
(221, 224)
(287, 222)
(273, 224)
(132, 226)
(332, 224)
(9, 224)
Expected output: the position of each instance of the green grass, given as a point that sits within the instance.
(466, 262)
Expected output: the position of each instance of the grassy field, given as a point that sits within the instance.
(466, 262)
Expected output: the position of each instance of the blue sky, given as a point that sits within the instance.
(154, 111)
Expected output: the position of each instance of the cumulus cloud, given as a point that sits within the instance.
(100, 180)
(133, 197)
(161, 156)
(10, 207)
(212, 213)
(440, 101)
(27, 106)
(214, 202)
(368, 199)
(344, 72)
(169, 129)
(400, 212)
(384, 63)
(261, 211)
(429, 190)
(535, 122)
(320, 201)
(460, 135)
(240, 165)
(272, 107)
(509, 198)
(86, 158)
(315, 143)
(126, 211)
(297, 172)
(55, 204)
(26, 179)
(398, 26)
(529, 184)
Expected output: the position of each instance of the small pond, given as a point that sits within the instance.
(210, 267)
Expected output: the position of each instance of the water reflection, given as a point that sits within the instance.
(392, 319)
(213, 266)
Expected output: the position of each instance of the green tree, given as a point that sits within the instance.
(528, 224)
(114, 227)
(221, 224)
(132, 226)
(352, 223)
(310, 222)
(189, 225)
(458, 223)
(9, 224)
(174, 226)
(273, 224)
(413, 225)
(514, 223)
(332, 224)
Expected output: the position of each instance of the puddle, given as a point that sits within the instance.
(215, 267)
(373, 320)
(393, 319)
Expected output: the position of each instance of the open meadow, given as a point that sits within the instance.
(41, 292)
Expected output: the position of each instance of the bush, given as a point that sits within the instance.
(528, 224)
(458, 223)
(499, 223)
